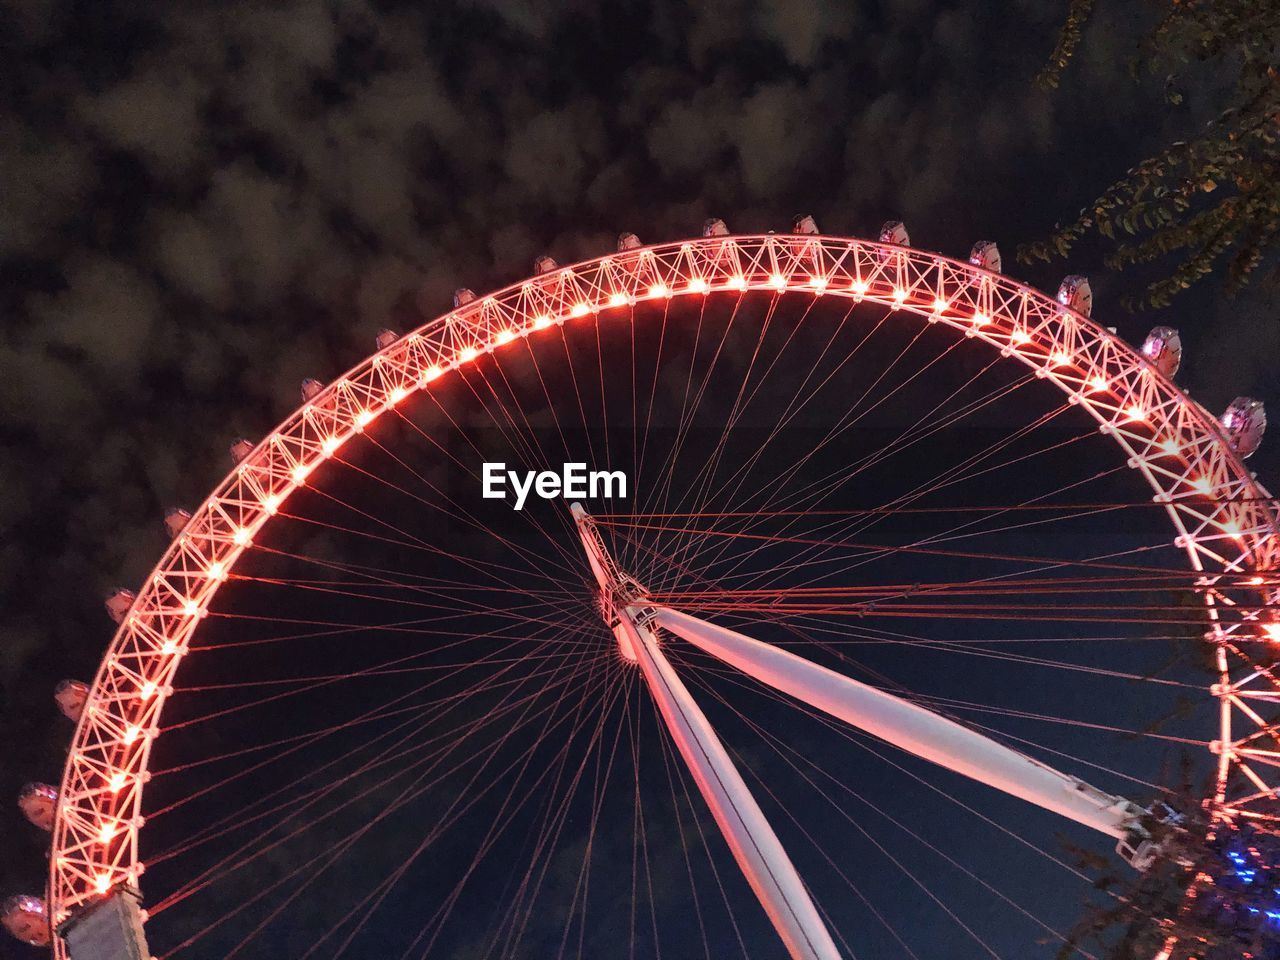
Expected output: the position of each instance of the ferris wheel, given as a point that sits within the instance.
(877, 570)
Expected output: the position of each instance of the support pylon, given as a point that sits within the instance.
(751, 839)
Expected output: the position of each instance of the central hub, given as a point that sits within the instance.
(622, 599)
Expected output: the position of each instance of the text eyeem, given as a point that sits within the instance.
(573, 482)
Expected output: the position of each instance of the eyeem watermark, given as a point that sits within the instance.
(573, 482)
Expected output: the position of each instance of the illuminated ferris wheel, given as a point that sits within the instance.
(907, 568)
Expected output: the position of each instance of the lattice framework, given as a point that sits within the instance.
(1222, 517)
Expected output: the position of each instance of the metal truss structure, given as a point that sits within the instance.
(1222, 518)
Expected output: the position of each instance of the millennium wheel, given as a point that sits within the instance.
(741, 596)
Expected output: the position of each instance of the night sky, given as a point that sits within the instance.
(204, 203)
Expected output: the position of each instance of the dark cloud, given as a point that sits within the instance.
(205, 202)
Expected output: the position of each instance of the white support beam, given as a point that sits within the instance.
(755, 846)
(751, 839)
(909, 726)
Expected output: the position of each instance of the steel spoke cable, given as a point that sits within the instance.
(657, 493)
(967, 705)
(555, 817)
(688, 413)
(412, 792)
(873, 746)
(816, 491)
(683, 775)
(430, 683)
(395, 661)
(396, 752)
(643, 836)
(407, 794)
(793, 408)
(937, 482)
(538, 562)
(790, 754)
(417, 545)
(864, 511)
(900, 548)
(653, 391)
(447, 906)
(524, 448)
(467, 604)
(847, 422)
(599, 787)
(699, 488)
(684, 847)
(374, 899)
(565, 599)
(867, 835)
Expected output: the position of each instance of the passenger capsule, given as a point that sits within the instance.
(175, 519)
(544, 265)
(628, 241)
(311, 388)
(986, 254)
(27, 919)
(385, 338)
(462, 296)
(1163, 347)
(805, 224)
(895, 231)
(241, 449)
(714, 227)
(118, 603)
(71, 696)
(1076, 293)
(38, 801)
(1244, 423)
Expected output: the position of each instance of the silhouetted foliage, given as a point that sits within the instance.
(1212, 896)
(1216, 197)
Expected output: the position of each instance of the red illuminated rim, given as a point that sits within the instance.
(1220, 515)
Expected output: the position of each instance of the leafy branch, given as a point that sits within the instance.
(1211, 200)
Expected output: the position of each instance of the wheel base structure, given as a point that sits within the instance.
(107, 929)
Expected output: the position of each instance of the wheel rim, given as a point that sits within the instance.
(1220, 515)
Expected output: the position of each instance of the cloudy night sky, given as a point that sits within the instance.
(204, 203)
